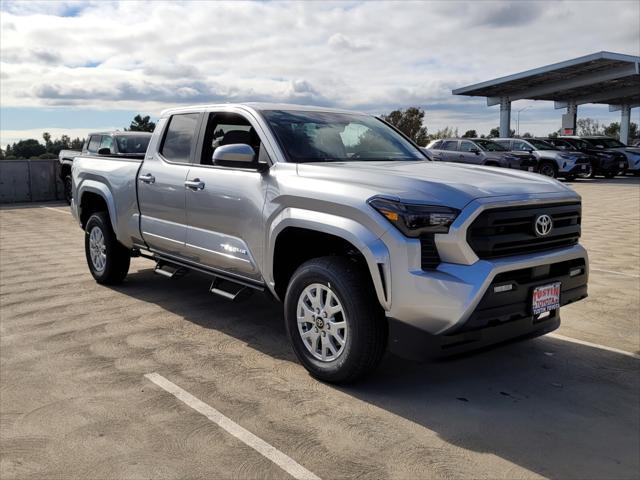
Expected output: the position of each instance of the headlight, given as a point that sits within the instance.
(414, 220)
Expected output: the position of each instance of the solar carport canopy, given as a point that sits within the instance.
(603, 77)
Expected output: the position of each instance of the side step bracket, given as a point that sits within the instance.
(170, 271)
(229, 290)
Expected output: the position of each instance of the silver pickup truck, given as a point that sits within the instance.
(369, 245)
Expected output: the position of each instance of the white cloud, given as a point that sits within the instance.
(371, 56)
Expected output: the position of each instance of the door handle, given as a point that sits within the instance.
(194, 184)
(148, 178)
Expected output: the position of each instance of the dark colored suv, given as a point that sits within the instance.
(607, 163)
(480, 151)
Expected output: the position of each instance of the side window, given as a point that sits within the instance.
(520, 146)
(437, 145)
(227, 129)
(178, 139)
(466, 146)
(451, 145)
(94, 143)
(107, 142)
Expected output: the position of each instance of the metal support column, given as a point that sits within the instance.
(505, 117)
(625, 121)
(569, 119)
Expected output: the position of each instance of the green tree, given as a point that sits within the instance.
(589, 126)
(46, 136)
(141, 124)
(28, 148)
(446, 132)
(527, 135)
(613, 130)
(470, 134)
(495, 133)
(410, 122)
(76, 144)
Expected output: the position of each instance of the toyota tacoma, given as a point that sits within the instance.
(369, 244)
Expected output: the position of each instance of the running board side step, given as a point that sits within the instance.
(170, 271)
(229, 289)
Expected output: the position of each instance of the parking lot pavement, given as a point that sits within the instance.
(75, 402)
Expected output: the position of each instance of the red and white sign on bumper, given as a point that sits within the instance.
(546, 298)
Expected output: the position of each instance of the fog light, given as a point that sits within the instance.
(503, 288)
(575, 272)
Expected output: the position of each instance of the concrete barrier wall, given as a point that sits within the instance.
(30, 181)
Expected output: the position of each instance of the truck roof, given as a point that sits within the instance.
(126, 133)
(255, 106)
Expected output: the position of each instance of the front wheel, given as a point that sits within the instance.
(548, 170)
(107, 258)
(334, 321)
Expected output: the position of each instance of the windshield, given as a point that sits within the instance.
(541, 144)
(132, 143)
(490, 146)
(337, 137)
(605, 142)
(578, 143)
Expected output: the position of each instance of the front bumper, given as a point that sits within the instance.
(498, 316)
(582, 168)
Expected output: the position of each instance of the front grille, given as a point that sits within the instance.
(430, 258)
(508, 231)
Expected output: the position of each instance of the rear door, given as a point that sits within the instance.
(465, 155)
(224, 212)
(161, 188)
(449, 151)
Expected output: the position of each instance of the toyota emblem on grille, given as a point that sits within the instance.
(543, 225)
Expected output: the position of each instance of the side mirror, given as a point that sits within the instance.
(239, 153)
(475, 150)
(104, 151)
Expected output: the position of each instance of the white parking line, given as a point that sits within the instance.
(55, 210)
(632, 275)
(276, 456)
(594, 345)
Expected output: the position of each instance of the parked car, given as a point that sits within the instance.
(552, 162)
(612, 144)
(368, 243)
(479, 151)
(65, 158)
(607, 163)
(122, 144)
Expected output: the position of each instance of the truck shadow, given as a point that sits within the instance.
(555, 408)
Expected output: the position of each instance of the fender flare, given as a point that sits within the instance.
(373, 249)
(91, 186)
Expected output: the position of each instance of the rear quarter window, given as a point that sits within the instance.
(178, 143)
(94, 143)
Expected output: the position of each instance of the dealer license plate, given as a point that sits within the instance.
(621, 165)
(531, 169)
(546, 298)
(584, 167)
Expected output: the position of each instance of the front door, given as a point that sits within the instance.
(161, 188)
(224, 203)
(466, 155)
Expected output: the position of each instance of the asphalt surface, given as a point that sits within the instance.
(74, 401)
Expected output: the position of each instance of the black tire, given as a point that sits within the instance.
(68, 190)
(118, 257)
(548, 169)
(610, 174)
(570, 178)
(366, 336)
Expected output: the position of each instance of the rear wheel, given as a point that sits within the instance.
(548, 169)
(334, 321)
(68, 191)
(107, 258)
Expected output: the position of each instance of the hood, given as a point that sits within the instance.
(436, 183)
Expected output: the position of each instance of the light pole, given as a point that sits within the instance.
(518, 119)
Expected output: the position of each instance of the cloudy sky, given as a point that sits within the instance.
(79, 66)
